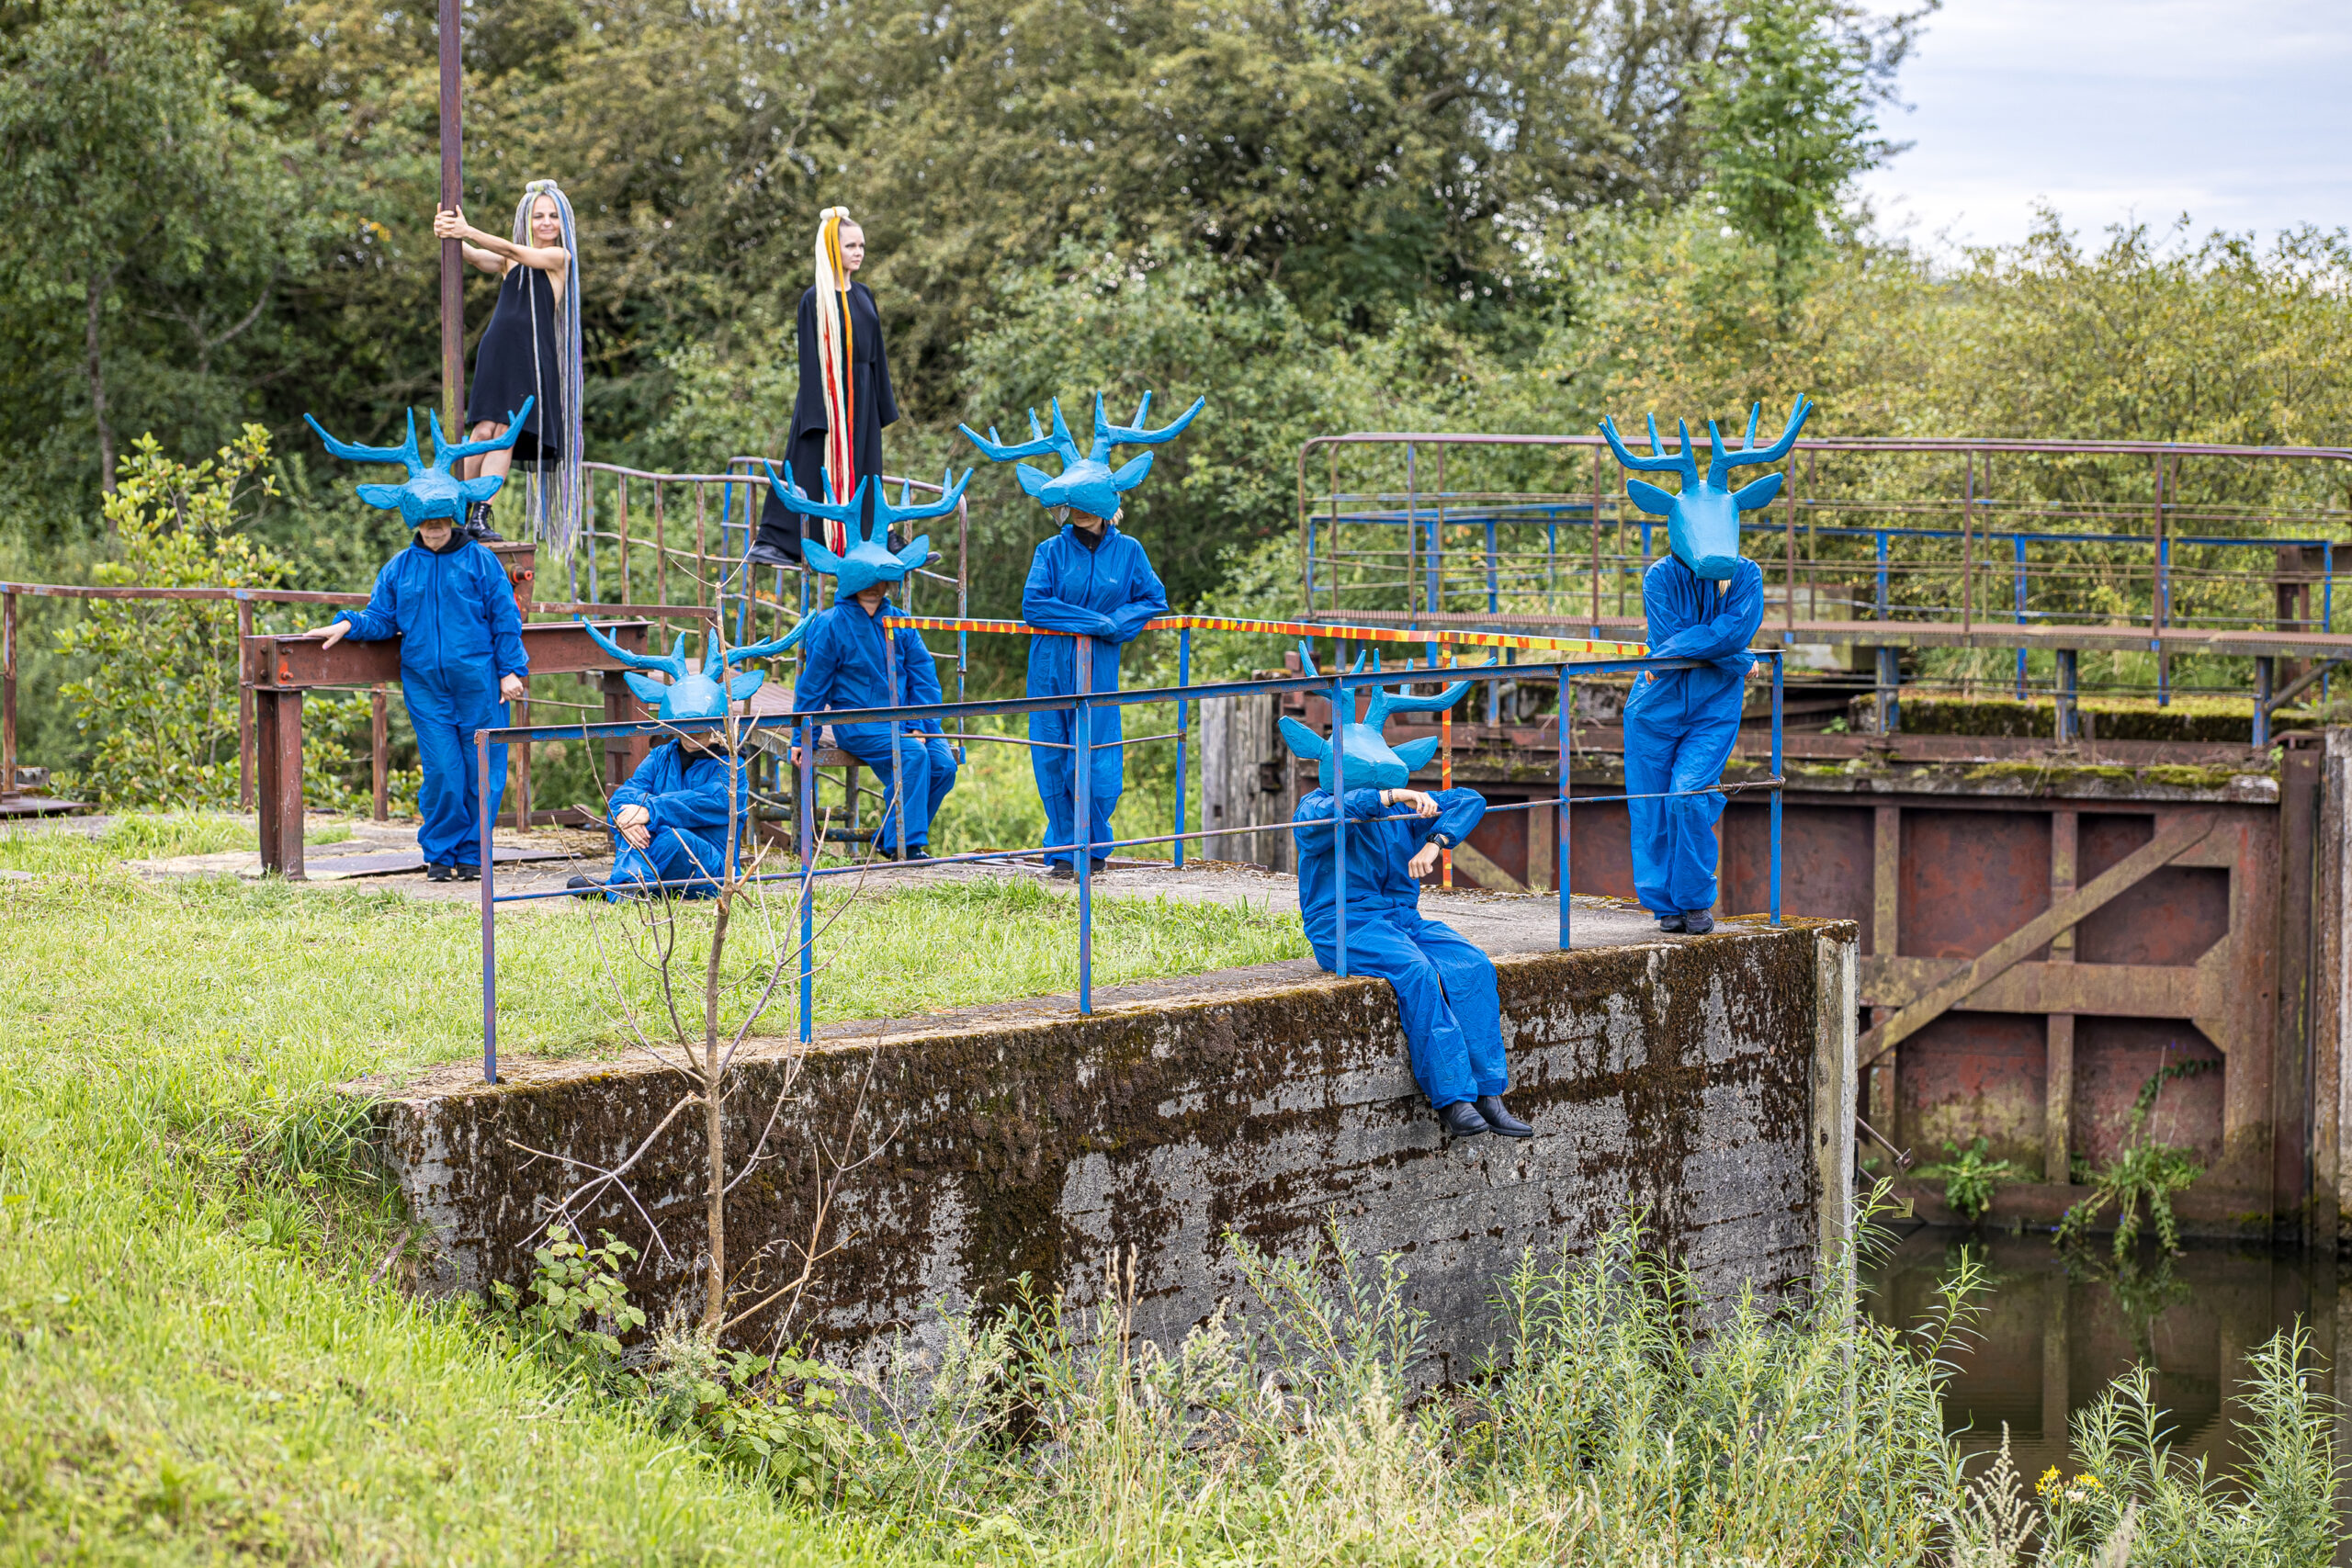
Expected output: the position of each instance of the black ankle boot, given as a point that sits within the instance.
(1671, 924)
(1697, 922)
(1498, 1120)
(1461, 1119)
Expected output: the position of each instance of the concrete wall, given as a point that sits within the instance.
(1708, 1082)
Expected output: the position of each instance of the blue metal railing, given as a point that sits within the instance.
(1338, 687)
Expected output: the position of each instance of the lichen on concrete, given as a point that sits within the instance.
(1675, 1078)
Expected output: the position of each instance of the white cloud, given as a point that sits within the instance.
(2121, 110)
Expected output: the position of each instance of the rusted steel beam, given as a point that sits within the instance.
(2184, 833)
(300, 660)
(278, 751)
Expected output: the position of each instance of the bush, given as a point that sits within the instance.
(1970, 1179)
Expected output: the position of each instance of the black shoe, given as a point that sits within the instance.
(1098, 867)
(477, 524)
(1061, 872)
(765, 554)
(584, 887)
(936, 558)
(437, 873)
(1461, 1119)
(1498, 1120)
(882, 853)
(1670, 923)
(1697, 922)
(918, 851)
(468, 873)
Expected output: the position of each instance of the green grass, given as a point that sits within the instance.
(192, 1361)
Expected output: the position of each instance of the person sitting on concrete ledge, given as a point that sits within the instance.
(851, 650)
(678, 824)
(1446, 995)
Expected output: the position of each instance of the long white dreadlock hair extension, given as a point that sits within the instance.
(834, 359)
(554, 495)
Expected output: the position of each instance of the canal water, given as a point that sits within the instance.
(2054, 1332)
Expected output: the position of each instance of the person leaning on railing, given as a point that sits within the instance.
(447, 600)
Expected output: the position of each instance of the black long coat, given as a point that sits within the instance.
(873, 406)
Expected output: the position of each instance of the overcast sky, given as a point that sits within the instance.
(2238, 114)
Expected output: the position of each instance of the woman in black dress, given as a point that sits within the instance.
(531, 349)
(857, 327)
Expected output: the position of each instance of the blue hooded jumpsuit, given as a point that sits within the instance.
(685, 798)
(1444, 983)
(460, 634)
(843, 665)
(1105, 593)
(1680, 724)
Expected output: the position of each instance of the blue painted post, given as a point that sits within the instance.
(1890, 691)
(1082, 815)
(2019, 540)
(898, 780)
(1776, 788)
(808, 815)
(2164, 616)
(1882, 574)
(1552, 562)
(489, 913)
(2069, 721)
(2263, 669)
(1340, 693)
(1567, 783)
(1493, 599)
(1183, 679)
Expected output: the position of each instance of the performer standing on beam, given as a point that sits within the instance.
(1704, 601)
(844, 398)
(529, 352)
(447, 600)
(1088, 580)
(1446, 995)
(844, 662)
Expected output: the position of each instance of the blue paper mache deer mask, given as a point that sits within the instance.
(431, 490)
(1087, 482)
(1702, 522)
(867, 560)
(692, 693)
(1370, 762)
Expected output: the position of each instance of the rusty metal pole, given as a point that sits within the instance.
(453, 290)
(620, 524)
(661, 550)
(379, 751)
(245, 709)
(8, 695)
(1596, 541)
(1789, 618)
(1444, 769)
(702, 554)
(1968, 548)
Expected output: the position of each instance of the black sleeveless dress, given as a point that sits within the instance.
(517, 358)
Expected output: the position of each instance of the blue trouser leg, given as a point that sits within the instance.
(449, 797)
(1056, 769)
(1698, 763)
(673, 855)
(1671, 748)
(1433, 1036)
(916, 762)
(1050, 765)
(1468, 976)
(942, 779)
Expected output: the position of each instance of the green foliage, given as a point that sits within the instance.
(1970, 1179)
(2141, 1172)
(770, 1417)
(578, 1305)
(160, 692)
(1788, 112)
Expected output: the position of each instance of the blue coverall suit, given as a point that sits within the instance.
(685, 798)
(1680, 724)
(1105, 593)
(1444, 983)
(843, 665)
(460, 634)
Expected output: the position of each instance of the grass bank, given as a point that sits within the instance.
(194, 1362)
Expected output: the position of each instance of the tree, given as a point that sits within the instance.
(1789, 112)
(152, 212)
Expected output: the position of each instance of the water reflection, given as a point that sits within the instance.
(2055, 1331)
